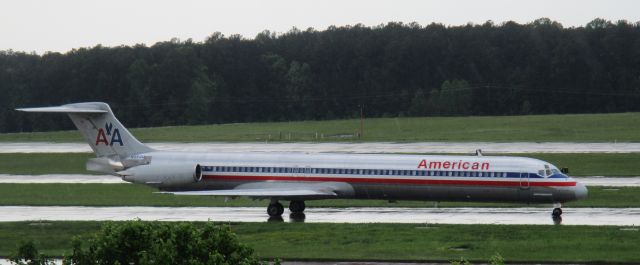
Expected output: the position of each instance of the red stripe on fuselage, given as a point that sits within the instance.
(392, 181)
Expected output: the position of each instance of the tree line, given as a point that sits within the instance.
(388, 70)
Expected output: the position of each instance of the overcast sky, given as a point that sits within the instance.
(60, 25)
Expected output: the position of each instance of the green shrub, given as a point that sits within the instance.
(27, 254)
(138, 242)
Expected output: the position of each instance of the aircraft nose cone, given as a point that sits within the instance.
(580, 191)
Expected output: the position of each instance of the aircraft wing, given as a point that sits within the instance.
(325, 190)
(259, 193)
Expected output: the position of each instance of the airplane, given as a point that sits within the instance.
(298, 177)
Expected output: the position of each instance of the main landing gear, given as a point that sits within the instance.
(276, 209)
(296, 206)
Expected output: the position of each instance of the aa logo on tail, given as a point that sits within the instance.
(114, 134)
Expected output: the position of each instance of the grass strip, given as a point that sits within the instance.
(138, 195)
(294, 241)
(44, 163)
(579, 164)
(622, 127)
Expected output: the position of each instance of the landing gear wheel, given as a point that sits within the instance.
(275, 209)
(557, 212)
(296, 206)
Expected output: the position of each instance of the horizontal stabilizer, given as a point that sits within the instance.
(64, 109)
(103, 132)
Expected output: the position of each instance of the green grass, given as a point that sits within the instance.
(623, 127)
(595, 164)
(579, 164)
(138, 195)
(295, 241)
(44, 163)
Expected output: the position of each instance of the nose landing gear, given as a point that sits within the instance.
(556, 214)
(557, 210)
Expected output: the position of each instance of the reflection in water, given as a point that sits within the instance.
(557, 220)
(507, 216)
(297, 217)
(275, 219)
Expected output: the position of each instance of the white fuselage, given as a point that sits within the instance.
(376, 176)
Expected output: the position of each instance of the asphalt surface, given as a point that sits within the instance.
(419, 216)
(6, 262)
(370, 147)
(108, 179)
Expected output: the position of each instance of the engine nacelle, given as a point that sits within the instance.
(163, 174)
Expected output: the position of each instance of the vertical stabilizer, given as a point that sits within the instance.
(100, 128)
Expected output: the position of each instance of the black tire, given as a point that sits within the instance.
(557, 212)
(297, 206)
(280, 209)
(275, 209)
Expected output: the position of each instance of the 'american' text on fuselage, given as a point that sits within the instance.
(466, 165)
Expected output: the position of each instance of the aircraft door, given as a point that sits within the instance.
(524, 180)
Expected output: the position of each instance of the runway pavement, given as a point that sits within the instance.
(419, 216)
(369, 147)
(61, 178)
(107, 179)
(57, 261)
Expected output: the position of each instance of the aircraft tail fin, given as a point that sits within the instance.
(100, 128)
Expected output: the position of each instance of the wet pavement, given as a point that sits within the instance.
(106, 179)
(373, 147)
(61, 178)
(423, 217)
(57, 261)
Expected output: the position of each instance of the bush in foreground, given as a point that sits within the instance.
(137, 242)
(27, 254)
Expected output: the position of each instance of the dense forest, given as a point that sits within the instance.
(388, 70)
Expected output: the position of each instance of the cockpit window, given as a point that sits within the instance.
(547, 170)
